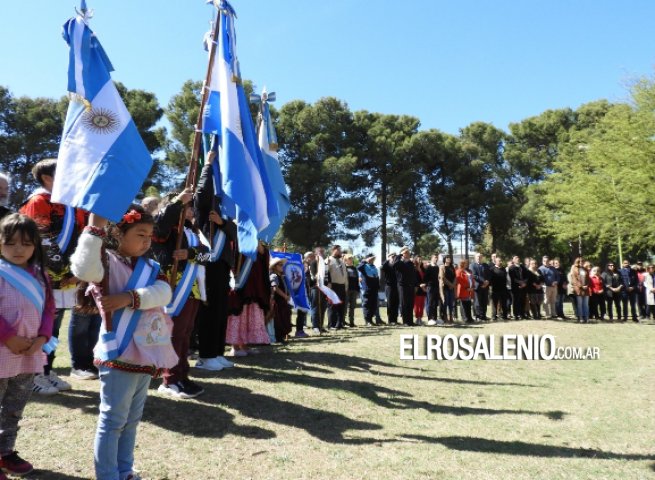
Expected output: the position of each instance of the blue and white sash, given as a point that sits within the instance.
(183, 289)
(66, 233)
(26, 284)
(242, 277)
(113, 344)
(191, 237)
(218, 245)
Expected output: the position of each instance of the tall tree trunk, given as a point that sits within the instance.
(383, 227)
(466, 235)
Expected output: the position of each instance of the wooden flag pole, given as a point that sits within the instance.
(197, 143)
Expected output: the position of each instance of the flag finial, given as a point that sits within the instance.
(84, 12)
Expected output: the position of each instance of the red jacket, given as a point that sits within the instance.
(465, 284)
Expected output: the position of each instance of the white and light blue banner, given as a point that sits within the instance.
(245, 190)
(268, 146)
(294, 276)
(102, 159)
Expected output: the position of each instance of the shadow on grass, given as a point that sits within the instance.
(185, 417)
(326, 426)
(389, 398)
(327, 362)
(48, 475)
(484, 445)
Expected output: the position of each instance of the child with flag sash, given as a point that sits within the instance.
(249, 303)
(27, 311)
(186, 296)
(135, 337)
(59, 226)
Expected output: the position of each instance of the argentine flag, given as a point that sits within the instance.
(268, 146)
(102, 160)
(245, 189)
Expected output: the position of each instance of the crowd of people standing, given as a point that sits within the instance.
(202, 296)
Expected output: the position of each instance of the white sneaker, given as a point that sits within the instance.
(238, 353)
(42, 386)
(209, 364)
(432, 323)
(225, 362)
(58, 383)
(440, 321)
(83, 374)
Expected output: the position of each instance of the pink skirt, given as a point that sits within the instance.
(248, 327)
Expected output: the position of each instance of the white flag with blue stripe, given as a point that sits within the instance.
(268, 146)
(245, 188)
(102, 160)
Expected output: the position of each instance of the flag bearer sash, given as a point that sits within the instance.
(242, 276)
(183, 289)
(113, 343)
(26, 284)
(67, 228)
(217, 245)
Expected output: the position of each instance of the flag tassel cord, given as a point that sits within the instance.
(195, 153)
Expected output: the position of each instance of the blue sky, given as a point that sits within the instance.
(449, 63)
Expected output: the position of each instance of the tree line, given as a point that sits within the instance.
(563, 182)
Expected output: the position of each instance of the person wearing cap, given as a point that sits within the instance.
(391, 289)
(370, 282)
(353, 288)
(407, 281)
(337, 281)
(280, 299)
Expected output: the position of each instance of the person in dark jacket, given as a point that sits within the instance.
(518, 275)
(630, 281)
(164, 247)
(481, 275)
(353, 288)
(222, 235)
(431, 283)
(406, 278)
(499, 293)
(613, 287)
(370, 285)
(391, 289)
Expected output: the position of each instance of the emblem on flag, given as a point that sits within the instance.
(101, 120)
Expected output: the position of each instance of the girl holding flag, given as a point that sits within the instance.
(27, 311)
(135, 337)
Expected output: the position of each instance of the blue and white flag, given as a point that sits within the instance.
(294, 276)
(268, 146)
(102, 160)
(245, 190)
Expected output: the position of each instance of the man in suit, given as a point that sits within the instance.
(431, 282)
(518, 275)
(391, 289)
(406, 277)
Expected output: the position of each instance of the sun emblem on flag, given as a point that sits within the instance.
(100, 120)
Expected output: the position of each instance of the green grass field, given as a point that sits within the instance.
(343, 406)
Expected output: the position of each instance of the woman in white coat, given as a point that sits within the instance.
(649, 285)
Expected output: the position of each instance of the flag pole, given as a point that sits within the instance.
(192, 174)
